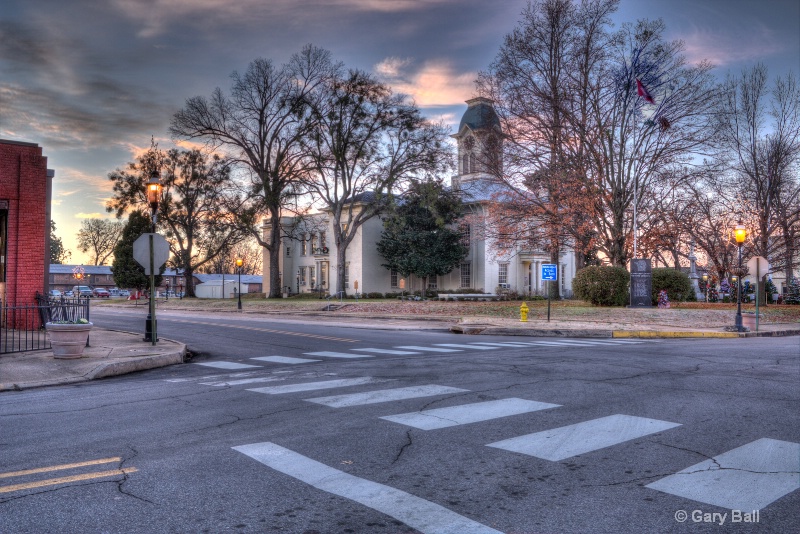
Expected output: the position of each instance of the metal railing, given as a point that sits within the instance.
(22, 327)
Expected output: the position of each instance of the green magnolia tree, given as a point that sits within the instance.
(418, 237)
(127, 272)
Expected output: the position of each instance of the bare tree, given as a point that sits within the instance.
(98, 237)
(540, 81)
(261, 125)
(366, 141)
(193, 207)
(760, 140)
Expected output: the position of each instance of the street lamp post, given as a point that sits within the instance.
(153, 197)
(239, 291)
(740, 233)
(705, 281)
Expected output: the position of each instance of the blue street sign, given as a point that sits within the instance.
(549, 271)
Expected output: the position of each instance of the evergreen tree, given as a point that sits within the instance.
(417, 237)
(793, 294)
(58, 254)
(127, 272)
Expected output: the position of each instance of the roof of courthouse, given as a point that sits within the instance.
(480, 115)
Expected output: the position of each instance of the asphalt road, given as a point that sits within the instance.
(549, 436)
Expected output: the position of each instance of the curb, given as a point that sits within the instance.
(138, 364)
(672, 334)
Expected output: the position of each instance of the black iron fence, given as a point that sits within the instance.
(22, 327)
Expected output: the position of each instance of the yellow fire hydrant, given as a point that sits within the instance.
(523, 313)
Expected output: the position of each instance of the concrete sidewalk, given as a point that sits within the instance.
(110, 353)
(563, 328)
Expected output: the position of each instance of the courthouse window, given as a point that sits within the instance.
(466, 275)
(502, 277)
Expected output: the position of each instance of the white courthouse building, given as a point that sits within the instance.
(307, 260)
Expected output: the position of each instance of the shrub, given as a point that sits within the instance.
(602, 286)
(676, 283)
(375, 295)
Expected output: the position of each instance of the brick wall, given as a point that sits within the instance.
(24, 185)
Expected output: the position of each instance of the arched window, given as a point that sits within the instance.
(465, 169)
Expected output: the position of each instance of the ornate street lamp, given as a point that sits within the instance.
(740, 233)
(239, 291)
(705, 281)
(153, 198)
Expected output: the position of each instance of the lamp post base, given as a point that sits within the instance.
(148, 328)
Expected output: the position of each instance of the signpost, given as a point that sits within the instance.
(760, 266)
(549, 273)
(151, 251)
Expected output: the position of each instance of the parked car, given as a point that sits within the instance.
(124, 293)
(101, 293)
(114, 292)
(81, 291)
(68, 293)
(54, 293)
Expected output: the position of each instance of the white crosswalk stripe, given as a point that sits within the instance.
(387, 351)
(417, 513)
(468, 413)
(330, 354)
(284, 359)
(429, 349)
(227, 365)
(572, 440)
(313, 386)
(243, 381)
(747, 478)
(385, 395)
(500, 344)
(459, 346)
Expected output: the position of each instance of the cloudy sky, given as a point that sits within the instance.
(92, 80)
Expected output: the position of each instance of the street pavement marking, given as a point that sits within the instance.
(59, 467)
(428, 349)
(284, 359)
(386, 351)
(268, 330)
(384, 395)
(312, 386)
(468, 413)
(65, 480)
(568, 441)
(337, 354)
(509, 344)
(747, 478)
(417, 513)
(227, 365)
(243, 381)
(457, 346)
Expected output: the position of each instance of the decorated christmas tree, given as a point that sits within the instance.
(793, 294)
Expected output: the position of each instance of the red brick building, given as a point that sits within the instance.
(25, 190)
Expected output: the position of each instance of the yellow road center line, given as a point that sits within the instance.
(59, 467)
(65, 480)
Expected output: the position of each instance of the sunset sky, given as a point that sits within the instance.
(91, 81)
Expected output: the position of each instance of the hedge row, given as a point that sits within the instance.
(608, 286)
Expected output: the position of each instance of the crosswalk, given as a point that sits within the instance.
(415, 350)
(749, 477)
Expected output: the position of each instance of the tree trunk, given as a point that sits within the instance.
(275, 256)
(341, 261)
(188, 275)
(555, 285)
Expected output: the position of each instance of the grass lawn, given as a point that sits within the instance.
(689, 313)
